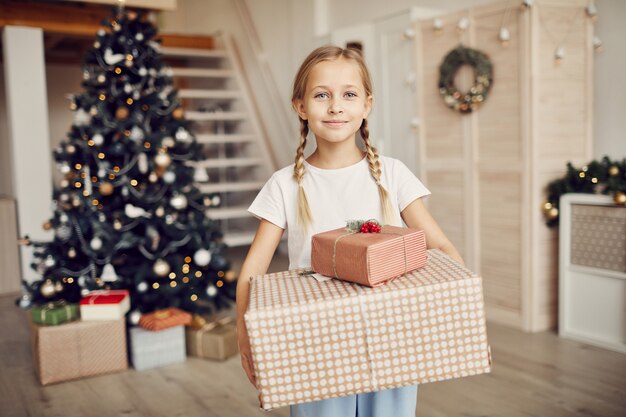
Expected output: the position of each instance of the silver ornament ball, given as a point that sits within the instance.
(161, 268)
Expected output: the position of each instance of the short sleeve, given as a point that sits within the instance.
(269, 204)
(408, 187)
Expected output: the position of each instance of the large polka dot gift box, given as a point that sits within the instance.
(313, 339)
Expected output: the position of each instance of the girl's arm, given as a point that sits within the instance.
(416, 216)
(257, 261)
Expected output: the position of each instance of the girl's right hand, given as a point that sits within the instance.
(245, 352)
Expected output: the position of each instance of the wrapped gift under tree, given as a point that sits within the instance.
(105, 305)
(212, 338)
(152, 349)
(54, 313)
(313, 340)
(367, 253)
(79, 349)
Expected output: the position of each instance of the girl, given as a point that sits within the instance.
(332, 95)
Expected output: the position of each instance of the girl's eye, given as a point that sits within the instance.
(350, 94)
(321, 95)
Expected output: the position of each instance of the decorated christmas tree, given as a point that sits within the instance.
(126, 214)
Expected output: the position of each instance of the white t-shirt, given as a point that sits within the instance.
(335, 196)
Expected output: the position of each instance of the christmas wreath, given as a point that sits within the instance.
(597, 177)
(483, 70)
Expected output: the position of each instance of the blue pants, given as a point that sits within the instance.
(396, 402)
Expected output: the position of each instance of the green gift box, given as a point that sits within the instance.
(53, 314)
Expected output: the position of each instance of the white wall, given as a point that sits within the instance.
(610, 82)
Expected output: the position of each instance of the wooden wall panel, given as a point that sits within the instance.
(500, 159)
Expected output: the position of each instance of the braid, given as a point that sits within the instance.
(304, 212)
(374, 166)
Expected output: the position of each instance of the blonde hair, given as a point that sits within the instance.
(331, 53)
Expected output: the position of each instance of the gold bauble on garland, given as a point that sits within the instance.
(106, 188)
(620, 197)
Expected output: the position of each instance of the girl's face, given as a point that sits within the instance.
(335, 102)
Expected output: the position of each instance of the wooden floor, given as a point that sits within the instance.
(537, 375)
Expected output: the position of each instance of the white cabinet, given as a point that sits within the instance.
(592, 270)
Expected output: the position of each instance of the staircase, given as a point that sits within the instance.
(237, 156)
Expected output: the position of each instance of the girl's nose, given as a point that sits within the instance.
(334, 108)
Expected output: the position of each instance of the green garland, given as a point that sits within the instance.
(604, 177)
(472, 99)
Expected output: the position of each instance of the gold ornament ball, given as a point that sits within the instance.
(70, 149)
(121, 113)
(619, 197)
(161, 268)
(553, 213)
(47, 226)
(106, 188)
(178, 113)
(47, 289)
(153, 177)
(613, 170)
(163, 160)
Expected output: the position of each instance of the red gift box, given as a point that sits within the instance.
(368, 259)
(105, 305)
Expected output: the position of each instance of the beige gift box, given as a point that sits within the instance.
(313, 340)
(79, 349)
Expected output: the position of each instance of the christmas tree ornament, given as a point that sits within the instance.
(81, 118)
(161, 268)
(70, 149)
(63, 232)
(101, 78)
(58, 287)
(169, 177)
(163, 159)
(202, 257)
(47, 225)
(143, 71)
(179, 202)
(108, 273)
(63, 218)
(96, 243)
(182, 134)
(106, 188)
(134, 317)
(142, 287)
(142, 162)
(178, 113)
(71, 253)
(76, 201)
(65, 168)
(136, 134)
(98, 139)
(168, 142)
(153, 177)
(121, 113)
(49, 262)
(117, 224)
(613, 171)
(134, 212)
(47, 289)
(216, 200)
(110, 58)
(211, 290)
(160, 211)
(620, 197)
(26, 301)
(200, 175)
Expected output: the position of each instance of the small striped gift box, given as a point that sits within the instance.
(368, 258)
(152, 349)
